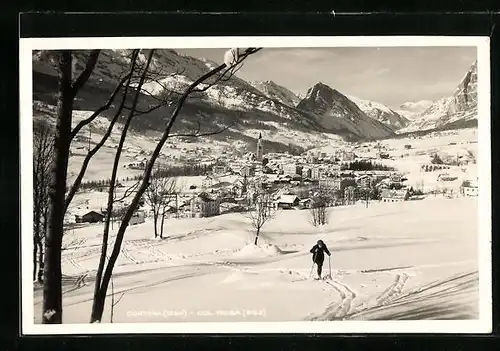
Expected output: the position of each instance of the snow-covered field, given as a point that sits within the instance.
(410, 260)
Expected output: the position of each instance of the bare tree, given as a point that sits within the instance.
(59, 201)
(262, 213)
(112, 184)
(160, 194)
(318, 212)
(117, 212)
(323, 197)
(202, 84)
(67, 90)
(42, 160)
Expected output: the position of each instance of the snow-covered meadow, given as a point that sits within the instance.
(410, 260)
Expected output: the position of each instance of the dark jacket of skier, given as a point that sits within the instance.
(318, 252)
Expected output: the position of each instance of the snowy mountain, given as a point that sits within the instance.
(411, 109)
(452, 111)
(381, 113)
(276, 92)
(335, 110)
(226, 102)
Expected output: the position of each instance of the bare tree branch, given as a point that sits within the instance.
(145, 112)
(42, 160)
(129, 191)
(162, 98)
(119, 299)
(199, 134)
(263, 212)
(229, 72)
(85, 75)
(86, 161)
(159, 195)
(100, 296)
(96, 307)
(101, 109)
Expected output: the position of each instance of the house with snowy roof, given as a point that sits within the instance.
(470, 188)
(88, 216)
(208, 205)
(393, 195)
(287, 201)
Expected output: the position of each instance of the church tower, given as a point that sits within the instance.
(260, 149)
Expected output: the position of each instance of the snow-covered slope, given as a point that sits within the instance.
(335, 111)
(276, 92)
(459, 108)
(389, 261)
(381, 113)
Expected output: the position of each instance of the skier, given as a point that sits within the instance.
(318, 252)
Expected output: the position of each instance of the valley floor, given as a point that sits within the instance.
(390, 261)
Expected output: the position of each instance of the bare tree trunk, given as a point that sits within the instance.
(36, 228)
(35, 257)
(41, 257)
(98, 301)
(257, 236)
(40, 261)
(155, 220)
(36, 224)
(52, 289)
(101, 296)
(39, 163)
(162, 222)
(109, 211)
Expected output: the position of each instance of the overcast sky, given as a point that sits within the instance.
(388, 75)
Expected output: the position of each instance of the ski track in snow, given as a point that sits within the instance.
(75, 253)
(139, 251)
(338, 311)
(393, 291)
(448, 285)
(135, 250)
(126, 253)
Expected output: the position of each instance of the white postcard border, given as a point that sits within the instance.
(483, 325)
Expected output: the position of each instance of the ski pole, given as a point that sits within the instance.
(314, 261)
(330, 267)
(311, 272)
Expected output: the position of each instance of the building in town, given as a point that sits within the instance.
(469, 188)
(207, 205)
(287, 201)
(393, 195)
(259, 155)
(88, 216)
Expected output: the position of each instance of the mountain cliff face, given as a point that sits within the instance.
(381, 113)
(334, 110)
(464, 98)
(453, 111)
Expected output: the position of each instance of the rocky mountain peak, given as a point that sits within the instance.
(337, 111)
(459, 109)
